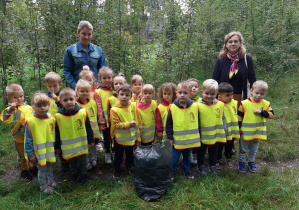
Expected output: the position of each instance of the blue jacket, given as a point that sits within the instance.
(76, 57)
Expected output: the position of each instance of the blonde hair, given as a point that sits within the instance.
(169, 86)
(13, 88)
(210, 84)
(193, 80)
(119, 76)
(185, 84)
(67, 91)
(260, 84)
(136, 78)
(52, 77)
(85, 73)
(40, 98)
(105, 69)
(148, 87)
(84, 24)
(242, 49)
(82, 83)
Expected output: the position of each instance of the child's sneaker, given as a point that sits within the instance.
(26, 175)
(188, 175)
(99, 147)
(116, 175)
(108, 158)
(33, 171)
(172, 177)
(93, 162)
(218, 165)
(252, 167)
(242, 167)
(88, 166)
(52, 184)
(194, 158)
(213, 170)
(202, 170)
(229, 163)
(47, 189)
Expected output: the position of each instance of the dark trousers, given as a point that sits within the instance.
(78, 163)
(119, 151)
(227, 149)
(146, 144)
(107, 140)
(212, 150)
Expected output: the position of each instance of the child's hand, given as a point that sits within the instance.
(172, 142)
(33, 159)
(102, 127)
(140, 135)
(54, 96)
(58, 151)
(13, 105)
(240, 131)
(159, 135)
(89, 146)
(132, 124)
(257, 111)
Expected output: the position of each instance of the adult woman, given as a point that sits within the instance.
(82, 53)
(233, 67)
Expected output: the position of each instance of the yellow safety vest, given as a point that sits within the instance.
(148, 122)
(133, 99)
(53, 109)
(163, 112)
(198, 100)
(112, 100)
(104, 95)
(17, 117)
(126, 137)
(73, 134)
(212, 129)
(92, 110)
(231, 115)
(185, 126)
(254, 125)
(43, 135)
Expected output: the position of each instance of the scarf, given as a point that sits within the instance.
(196, 97)
(234, 67)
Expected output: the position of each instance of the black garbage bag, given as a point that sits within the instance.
(153, 169)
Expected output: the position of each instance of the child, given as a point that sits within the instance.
(74, 135)
(125, 126)
(117, 82)
(14, 116)
(212, 125)
(253, 114)
(194, 96)
(88, 76)
(182, 127)
(136, 84)
(147, 108)
(83, 90)
(101, 96)
(167, 96)
(39, 142)
(225, 94)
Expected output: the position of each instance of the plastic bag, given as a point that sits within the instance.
(153, 169)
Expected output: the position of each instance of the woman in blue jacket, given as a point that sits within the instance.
(82, 53)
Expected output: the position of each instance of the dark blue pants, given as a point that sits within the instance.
(186, 159)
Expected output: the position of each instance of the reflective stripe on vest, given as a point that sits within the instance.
(212, 129)
(231, 115)
(185, 126)
(148, 122)
(73, 134)
(126, 137)
(104, 95)
(254, 125)
(16, 118)
(92, 110)
(42, 131)
(164, 112)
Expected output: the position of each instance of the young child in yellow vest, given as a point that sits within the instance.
(194, 96)
(125, 128)
(147, 108)
(225, 94)
(212, 126)
(182, 127)
(40, 140)
(83, 90)
(101, 96)
(136, 84)
(167, 96)
(74, 135)
(253, 114)
(14, 116)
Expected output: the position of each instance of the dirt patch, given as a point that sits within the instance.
(281, 165)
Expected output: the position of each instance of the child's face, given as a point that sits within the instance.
(89, 79)
(137, 86)
(17, 97)
(53, 87)
(124, 97)
(148, 96)
(226, 97)
(258, 93)
(183, 94)
(84, 93)
(41, 109)
(68, 101)
(106, 79)
(167, 96)
(208, 95)
(194, 90)
(117, 82)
